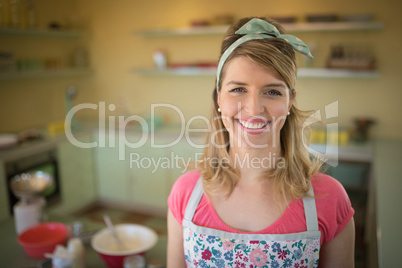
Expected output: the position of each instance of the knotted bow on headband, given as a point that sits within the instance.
(261, 29)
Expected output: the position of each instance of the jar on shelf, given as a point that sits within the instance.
(160, 59)
(14, 14)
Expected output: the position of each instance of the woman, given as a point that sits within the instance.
(256, 199)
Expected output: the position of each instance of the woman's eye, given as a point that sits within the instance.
(238, 89)
(274, 92)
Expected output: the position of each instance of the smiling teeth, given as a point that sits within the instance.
(253, 125)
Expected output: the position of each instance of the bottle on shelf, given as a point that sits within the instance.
(30, 14)
(2, 18)
(14, 14)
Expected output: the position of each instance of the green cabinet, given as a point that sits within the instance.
(148, 177)
(352, 175)
(77, 178)
(111, 174)
(144, 175)
(186, 154)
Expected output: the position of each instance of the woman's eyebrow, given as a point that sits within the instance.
(238, 83)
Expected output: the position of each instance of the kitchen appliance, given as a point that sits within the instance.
(37, 157)
(29, 187)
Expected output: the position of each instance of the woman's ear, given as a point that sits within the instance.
(292, 98)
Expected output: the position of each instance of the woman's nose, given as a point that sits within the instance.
(253, 106)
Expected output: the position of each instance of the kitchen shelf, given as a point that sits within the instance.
(65, 72)
(290, 27)
(42, 33)
(336, 73)
(303, 72)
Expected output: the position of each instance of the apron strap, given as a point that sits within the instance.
(310, 210)
(194, 201)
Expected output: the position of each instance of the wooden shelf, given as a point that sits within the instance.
(68, 72)
(290, 27)
(41, 33)
(333, 26)
(303, 72)
(336, 73)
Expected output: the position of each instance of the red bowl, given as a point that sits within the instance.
(43, 238)
(116, 261)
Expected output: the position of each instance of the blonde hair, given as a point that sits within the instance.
(219, 174)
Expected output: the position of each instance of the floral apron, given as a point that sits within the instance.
(205, 247)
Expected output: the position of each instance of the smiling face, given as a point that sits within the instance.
(254, 104)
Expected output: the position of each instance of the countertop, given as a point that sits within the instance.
(13, 255)
(166, 133)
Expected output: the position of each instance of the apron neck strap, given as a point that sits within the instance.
(194, 200)
(310, 210)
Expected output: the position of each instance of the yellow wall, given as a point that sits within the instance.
(115, 50)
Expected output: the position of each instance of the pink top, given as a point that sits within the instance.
(334, 209)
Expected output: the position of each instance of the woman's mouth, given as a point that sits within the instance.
(253, 126)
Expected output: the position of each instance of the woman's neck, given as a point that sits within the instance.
(253, 163)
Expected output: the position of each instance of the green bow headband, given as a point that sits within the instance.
(260, 29)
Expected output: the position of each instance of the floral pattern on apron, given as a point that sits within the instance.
(206, 247)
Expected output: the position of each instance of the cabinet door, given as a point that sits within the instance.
(149, 168)
(186, 155)
(111, 174)
(351, 175)
(76, 175)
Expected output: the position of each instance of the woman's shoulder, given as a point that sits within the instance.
(181, 192)
(324, 184)
(186, 182)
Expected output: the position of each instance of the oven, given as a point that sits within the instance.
(39, 160)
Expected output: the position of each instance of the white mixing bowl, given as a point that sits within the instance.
(136, 238)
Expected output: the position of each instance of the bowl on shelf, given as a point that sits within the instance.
(137, 240)
(43, 238)
(322, 18)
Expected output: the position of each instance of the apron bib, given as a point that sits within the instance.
(206, 247)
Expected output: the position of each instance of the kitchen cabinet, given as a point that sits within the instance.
(187, 154)
(149, 180)
(34, 68)
(76, 169)
(352, 166)
(332, 27)
(143, 179)
(356, 179)
(111, 173)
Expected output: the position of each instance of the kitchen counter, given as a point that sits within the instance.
(169, 133)
(13, 255)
